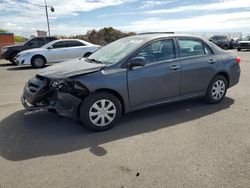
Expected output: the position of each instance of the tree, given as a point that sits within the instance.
(18, 38)
(103, 36)
(3, 31)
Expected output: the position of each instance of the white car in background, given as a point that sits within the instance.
(56, 51)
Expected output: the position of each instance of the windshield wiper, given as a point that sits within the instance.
(94, 60)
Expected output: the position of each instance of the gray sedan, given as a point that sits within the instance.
(133, 73)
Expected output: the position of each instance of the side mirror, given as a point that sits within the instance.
(137, 62)
(50, 47)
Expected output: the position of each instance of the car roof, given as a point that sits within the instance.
(155, 36)
(150, 37)
(82, 41)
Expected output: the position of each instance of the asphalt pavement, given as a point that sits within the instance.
(187, 144)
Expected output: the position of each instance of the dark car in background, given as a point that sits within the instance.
(9, 52)
(133, 73)
(222, 41)
(244, 43)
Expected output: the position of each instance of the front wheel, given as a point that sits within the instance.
(38, 61)
(217, 89)
(100, 111)
(12, 58)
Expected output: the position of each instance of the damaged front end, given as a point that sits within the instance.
(62, 95)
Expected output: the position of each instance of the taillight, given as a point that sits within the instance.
(237, 59)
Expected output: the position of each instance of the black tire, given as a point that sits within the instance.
(210, 97)
(238, 49)
(35, 63)
(12, 58)
(87, 106)
(87, 54)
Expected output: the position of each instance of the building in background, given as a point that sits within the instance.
(6, 39)
(41, 33)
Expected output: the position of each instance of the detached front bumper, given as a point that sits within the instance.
(65, 104)
(30, 107)
(38, 95)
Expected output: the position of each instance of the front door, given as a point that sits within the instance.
(58, 52)
(159, 79)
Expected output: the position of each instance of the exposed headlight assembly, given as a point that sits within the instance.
(69, 86)
(58, 83)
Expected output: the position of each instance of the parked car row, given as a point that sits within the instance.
(244, 43)
(225, 42)
(10, 52)
(41, 50)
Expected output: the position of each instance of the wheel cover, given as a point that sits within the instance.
(38, 62)
(218, 89)
(102, 112)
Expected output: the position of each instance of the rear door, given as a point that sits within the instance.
(76, 49)
(58, 52)
(198, 65)
(159, 79)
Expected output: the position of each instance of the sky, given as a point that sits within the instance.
(71, 17)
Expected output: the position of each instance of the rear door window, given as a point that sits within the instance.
(60, 44)
(75, 43)
(190, 47)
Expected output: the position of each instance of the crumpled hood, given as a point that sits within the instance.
(70, 68)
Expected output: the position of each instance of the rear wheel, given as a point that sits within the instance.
(38, 61)
(100, 111)
(217, 89)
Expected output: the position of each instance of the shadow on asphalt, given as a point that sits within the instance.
(26, 136)
(6, 65)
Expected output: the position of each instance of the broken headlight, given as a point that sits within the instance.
(58, 83)
(69, 86)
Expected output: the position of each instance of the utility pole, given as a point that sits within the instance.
(46, 10)
(47, 16)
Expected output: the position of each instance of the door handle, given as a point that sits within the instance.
(175, 67)
(211, 61)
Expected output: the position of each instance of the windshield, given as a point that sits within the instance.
(27, 42)
(116, 51)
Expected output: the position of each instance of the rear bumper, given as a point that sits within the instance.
(234, 77)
